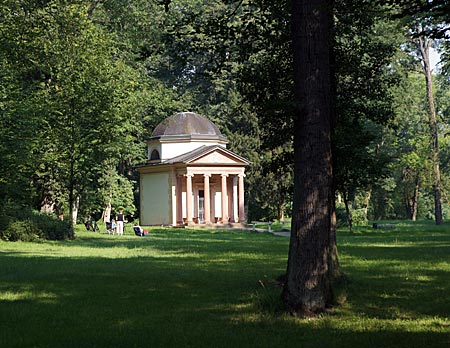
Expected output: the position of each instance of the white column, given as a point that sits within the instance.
(174, 197)
(235, 199)
(189, 204)
(179, 198)
(242, 217)
(207, 199)
(224, 199)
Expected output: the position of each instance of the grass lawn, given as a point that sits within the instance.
(198, 288)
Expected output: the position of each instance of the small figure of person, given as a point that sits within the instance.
(120, 220)
(139, 231)
(113, 226)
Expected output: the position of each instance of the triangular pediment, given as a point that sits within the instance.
(218, 155)
(208, 155)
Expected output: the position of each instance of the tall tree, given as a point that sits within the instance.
(365, 44)
(19, 108)
(308, 286)
(80, 98)
(424, 44)
(409, 141)
(264, 78)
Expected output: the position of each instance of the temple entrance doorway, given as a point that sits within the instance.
(201, 206)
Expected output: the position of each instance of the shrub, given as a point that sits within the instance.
(27, 225)
(51, 227)
(359, 217)
(341, 217)
(23, 230)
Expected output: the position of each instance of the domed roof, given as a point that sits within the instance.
(187, 123)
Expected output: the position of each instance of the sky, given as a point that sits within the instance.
(434, 58)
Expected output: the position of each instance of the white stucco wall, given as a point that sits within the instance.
(155, 199)
(218, 204)
(170, 150)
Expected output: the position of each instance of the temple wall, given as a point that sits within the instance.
(155, 199)
(170, 150)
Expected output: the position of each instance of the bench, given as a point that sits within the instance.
(269, 223)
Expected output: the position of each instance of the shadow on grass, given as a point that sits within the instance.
(187, 241)
(402, 273)
(196, 289)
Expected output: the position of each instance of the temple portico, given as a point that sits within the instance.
(215, 197)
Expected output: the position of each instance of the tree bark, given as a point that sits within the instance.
(348, 212)
(415, 199)
(75, 208)
(367, 201)
(424, 47)
(307, 290)
(333, 260)
(71, 198)
(92, 7)
(107, 212)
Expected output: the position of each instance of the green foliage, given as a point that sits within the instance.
(83, 83)
(341, 216)
(122, 197)
(24, 230)
(271, 189)
(407, 142)
(51, 227)
(38, 226)
(79, 100)
(359, 217)
(23, 224)
(366, 47)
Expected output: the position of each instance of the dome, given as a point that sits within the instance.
(187, 123)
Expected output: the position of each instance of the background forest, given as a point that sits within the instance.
(84, 82)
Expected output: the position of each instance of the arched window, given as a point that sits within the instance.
(154, 155)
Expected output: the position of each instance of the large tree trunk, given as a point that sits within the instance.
(424, 47)
(308, 287)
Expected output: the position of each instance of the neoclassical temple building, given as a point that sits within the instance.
(190, 176)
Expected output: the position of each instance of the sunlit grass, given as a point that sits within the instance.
(197, 288)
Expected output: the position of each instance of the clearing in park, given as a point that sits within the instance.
(218, 288)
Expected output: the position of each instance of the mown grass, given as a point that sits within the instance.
(197, 288)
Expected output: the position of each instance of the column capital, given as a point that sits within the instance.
(224, 175)
(207, 175)
(189, 175)
(242, 175)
